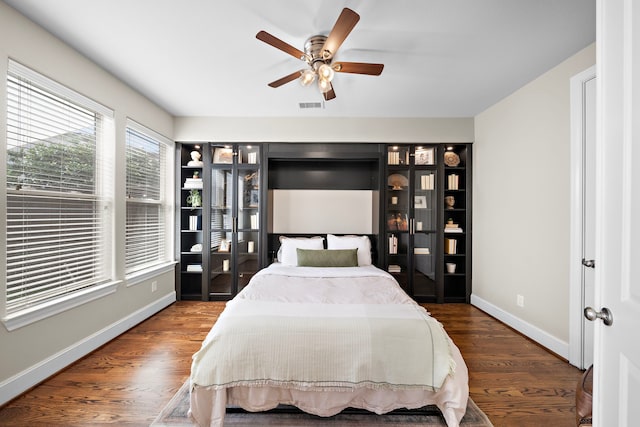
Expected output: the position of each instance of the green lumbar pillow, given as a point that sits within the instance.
(327, 257)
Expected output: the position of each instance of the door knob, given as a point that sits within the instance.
(604, 314)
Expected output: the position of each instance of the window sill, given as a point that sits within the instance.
(148, 273)
(42, 311)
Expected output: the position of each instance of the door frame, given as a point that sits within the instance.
(577, 156)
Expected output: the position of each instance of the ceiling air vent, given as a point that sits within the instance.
(304, 105)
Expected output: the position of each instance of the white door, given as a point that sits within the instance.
(617, 347)
(589, 264)
(583, 210)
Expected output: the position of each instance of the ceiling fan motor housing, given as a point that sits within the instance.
(313, 48)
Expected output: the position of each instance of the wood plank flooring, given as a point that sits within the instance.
(129, 380)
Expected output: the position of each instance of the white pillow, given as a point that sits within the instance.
(361, 243)
(287, 253)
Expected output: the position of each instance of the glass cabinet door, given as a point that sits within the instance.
(424, 230)
(248, 214)
(398, 202)
(235, 218)
(221, 230)
(222, 222)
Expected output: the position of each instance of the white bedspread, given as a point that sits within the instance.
(272, 343)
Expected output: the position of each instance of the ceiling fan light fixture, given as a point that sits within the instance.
(324, 85)
(307, 77)
(325, 72)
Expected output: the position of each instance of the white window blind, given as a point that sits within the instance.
(148, 227)
(58, 194)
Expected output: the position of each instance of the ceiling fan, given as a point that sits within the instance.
(319, 51)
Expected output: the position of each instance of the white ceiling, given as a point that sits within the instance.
(443, 58)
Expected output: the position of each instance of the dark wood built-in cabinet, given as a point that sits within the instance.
(421, 209)
(220, 240)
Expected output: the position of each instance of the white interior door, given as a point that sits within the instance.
(583, 209)
(617, 347)
(589, 263)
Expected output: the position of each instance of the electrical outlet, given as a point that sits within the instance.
(154, 286)
(520, 301)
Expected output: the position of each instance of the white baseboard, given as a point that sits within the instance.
(28, 378)
(559, 347)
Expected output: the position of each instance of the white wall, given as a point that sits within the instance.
(521, 199)
(421, 130)
(31, 353)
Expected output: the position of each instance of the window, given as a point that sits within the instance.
(149, 211)
(59, 193)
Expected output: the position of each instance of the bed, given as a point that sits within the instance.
(324, 330)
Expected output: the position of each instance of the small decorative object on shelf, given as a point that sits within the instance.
(424, 156)
(393, 268)
(449, 202)
(196, 248)
(194, 199)
(397, 181)
(451, 267)
(223, 155)
(451, 159)
(451, 227)
(224, 246)
(225, 265)
(398, 222)
(195, 159)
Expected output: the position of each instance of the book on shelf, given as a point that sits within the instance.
(453, 230)
(452, 181)
(393, 245)
(193, 222)
(450, 246)
(427, 182)
(195, 268)
(254, 221)
(393, 268)
(193, 183)
(421, 251)
(252, 158)
(393, 158)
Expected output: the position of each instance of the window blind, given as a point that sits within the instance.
(57, 195)
(148, 223)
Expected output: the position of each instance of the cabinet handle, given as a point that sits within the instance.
(234, 225)
(411, 226)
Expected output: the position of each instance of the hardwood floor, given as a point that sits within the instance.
(129, 380)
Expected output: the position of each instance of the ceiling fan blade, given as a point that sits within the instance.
(358, 68)
(343, 26)
(330, 94)
(286, 79)
(279, 44)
